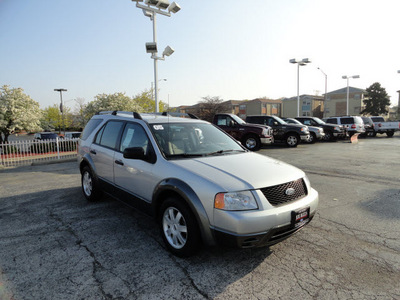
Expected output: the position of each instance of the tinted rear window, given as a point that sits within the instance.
(90, 126)
(347, 120)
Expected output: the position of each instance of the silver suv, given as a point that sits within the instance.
(352, 124)
(200, 184)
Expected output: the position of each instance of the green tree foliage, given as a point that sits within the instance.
(17, 112)
(147, 104)
(376, 100)
(142, 102)
(52, 118)
(116, 101)
(208, 107)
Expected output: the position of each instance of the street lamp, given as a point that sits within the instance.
(299, 63)
(61, 106)
(151, 9)
(347, 102)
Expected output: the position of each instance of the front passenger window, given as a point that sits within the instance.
(134, 136)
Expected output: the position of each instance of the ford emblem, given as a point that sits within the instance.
(290, 191)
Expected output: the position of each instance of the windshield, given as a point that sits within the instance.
(237, 119)
(279, 120)
(293, 121)
(193, 139)
(319, 121)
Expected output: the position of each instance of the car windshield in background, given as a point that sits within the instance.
(193, 139)
(279, 120)
(238, 120)
(319, 121)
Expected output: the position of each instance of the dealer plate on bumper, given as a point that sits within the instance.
(300, 217)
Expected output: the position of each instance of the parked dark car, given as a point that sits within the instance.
(316, 133)
(252, 136)
(290, 134)
(45, 136)
(332, 132)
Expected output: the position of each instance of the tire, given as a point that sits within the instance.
(312, 138)
(90, 187)
(179, 228)
(329, 136)
(252, 142)
(389, 133)
(292, 140)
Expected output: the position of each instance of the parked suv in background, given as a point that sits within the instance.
(290, 134)
(197, 181)
(316, 133)
(331, 131)
(352, 124)
(45, 136)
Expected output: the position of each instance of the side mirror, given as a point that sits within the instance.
(138, 153)
(134, 153)
(231, 123)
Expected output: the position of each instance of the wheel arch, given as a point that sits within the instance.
(173, 187)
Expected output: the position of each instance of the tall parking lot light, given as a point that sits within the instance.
(61, 106)
(299, 63)
(347, 102)
(151, 9)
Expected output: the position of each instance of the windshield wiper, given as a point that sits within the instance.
(224, 151)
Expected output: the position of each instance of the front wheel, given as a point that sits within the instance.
(292, 140)
(179, 228)
(252, 142)
(312, 138)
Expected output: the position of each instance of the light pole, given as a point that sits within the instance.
(152, 90)
(151, 9)
(61, 106)
(299, 63)
(326, 86)
(347, 102)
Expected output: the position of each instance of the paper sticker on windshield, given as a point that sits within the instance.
(158, 127)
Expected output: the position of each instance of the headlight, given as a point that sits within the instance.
(235, 201)
(265, 132)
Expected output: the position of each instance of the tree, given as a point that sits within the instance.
(116, 101)
(52, 118)
(147, 104)
(208, 107)
(377, 100)
(17, 112)
(79, 112)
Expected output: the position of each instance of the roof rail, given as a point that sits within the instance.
(173, 114)
(117, 112)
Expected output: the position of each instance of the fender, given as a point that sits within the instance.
(177, 186)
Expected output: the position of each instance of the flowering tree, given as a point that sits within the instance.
(17, 112)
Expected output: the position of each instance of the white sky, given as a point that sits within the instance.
(232, 49)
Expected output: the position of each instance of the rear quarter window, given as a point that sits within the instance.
(90, 126)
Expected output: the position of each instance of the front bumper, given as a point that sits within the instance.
(305, 137)
(259, 228)
(267, 140)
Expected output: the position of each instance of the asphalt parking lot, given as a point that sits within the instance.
(55, 245)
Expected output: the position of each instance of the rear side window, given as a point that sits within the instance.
(347, 120)
(109, 133)
(90, 126)
(331, 121)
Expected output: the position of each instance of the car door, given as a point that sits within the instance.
(230, 126)
(134, 176)
(102, 152)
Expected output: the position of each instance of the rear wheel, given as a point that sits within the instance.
(292, 140)
(90, 188)
(179, 228)
(252, 142)
(390, 133)
(329, 136)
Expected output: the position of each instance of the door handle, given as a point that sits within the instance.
(119, 162)
(93, 152)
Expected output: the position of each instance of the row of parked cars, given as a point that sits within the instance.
(264, 130)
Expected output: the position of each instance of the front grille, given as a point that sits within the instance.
(278, 195)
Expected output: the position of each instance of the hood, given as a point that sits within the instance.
(242, 171)
(290, 125)
(253, 125)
